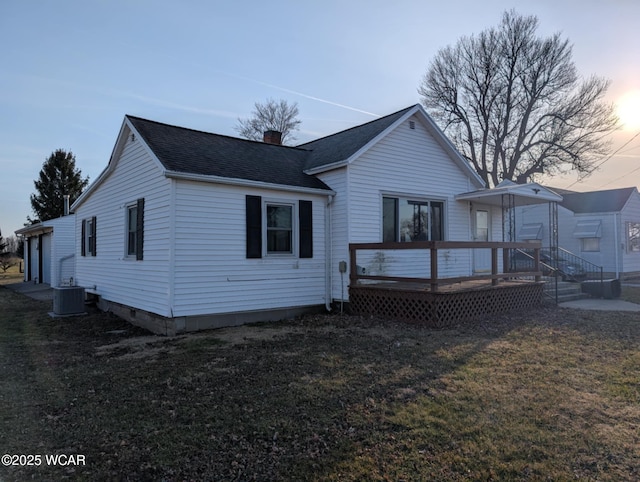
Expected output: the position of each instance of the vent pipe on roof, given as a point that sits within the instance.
(66, 204)
(273, 137)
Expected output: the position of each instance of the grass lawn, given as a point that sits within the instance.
(552, 394)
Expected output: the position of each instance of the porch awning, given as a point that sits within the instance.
(523, 194)
(530, 231)
(588, 229)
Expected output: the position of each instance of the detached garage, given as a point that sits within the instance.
(49, 251)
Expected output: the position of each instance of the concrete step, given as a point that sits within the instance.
(567, 291)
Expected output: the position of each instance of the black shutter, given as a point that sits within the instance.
(94, 239)
(305, 214)
(83, 246)
(254, 227)
(139, 229)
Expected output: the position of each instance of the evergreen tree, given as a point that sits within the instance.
(58, 176)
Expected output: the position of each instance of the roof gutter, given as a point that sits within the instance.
(186, 176)
(326, 167)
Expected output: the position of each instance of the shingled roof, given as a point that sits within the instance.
(342, 145)
(609, 201)
(190, 151)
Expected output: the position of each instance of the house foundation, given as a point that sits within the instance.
(162, 325)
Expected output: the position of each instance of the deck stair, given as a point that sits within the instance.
(567, 290)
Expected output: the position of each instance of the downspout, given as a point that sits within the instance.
(171, 292)
(616, 244)
(328, 282)
(64, 258)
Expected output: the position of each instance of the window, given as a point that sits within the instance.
(135, 230)
(590, 244)
(88, 242)
(633, 237)
(277, 225)
(407, 220)
(279, 228)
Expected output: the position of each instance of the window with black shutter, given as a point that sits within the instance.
(254, 226)
(305, 214)
(135, 230)
(274, 229)
(88, 237)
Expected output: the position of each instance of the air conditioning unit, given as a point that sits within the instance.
(68, 300)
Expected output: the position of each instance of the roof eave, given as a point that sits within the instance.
(441, 137)
(187, 176)
(34, 229)
(117, 148)
(327, 167)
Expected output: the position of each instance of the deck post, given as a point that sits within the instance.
(506, 266)
(434, 269)
(353, 271)
(494, 266)
(536, 264)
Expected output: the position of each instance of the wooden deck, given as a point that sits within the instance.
(441, 302)
(416, 303)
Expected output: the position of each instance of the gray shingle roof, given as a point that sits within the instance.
(195, 152)
(342, 145)
(611, 200)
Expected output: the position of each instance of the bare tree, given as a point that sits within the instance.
(272, 115)
(6, 259)
(513, 104)
(13, 244)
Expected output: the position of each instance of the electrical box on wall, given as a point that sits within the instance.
(342, 266)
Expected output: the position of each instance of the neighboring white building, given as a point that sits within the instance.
(602, 227)
(49, 251)
(187, 230)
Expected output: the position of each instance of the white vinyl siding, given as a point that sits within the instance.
(63, 262)
(212, 272)
(630, 214)
(408, 163)
(143, 285)
(337, 180)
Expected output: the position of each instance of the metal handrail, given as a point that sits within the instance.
(565, 255)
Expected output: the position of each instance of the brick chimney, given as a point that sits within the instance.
(273, 137)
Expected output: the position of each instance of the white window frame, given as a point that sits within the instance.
(266, 203)
(633, 243)
(127, 230)
(88, 231)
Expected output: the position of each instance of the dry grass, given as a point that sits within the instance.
(549, 395)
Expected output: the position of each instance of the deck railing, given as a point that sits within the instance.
(435, 280)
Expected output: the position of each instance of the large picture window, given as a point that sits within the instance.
(409, 220)
(633, 237)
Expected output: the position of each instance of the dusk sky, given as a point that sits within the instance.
(71, 70)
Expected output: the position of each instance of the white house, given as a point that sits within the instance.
(49, 251)
(187, 230)
(602, 227)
